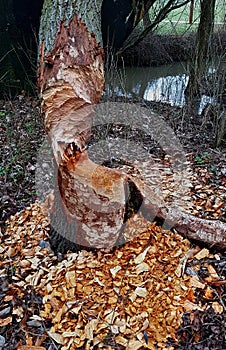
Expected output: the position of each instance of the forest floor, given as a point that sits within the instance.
(202, 325)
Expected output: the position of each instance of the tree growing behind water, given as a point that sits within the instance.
(204, 56)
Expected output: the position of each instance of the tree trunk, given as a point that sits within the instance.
(146, 18)
(221, 129)
(221, 135)
(191, 12)
(91, 202)
(201, 58)
(71, 80)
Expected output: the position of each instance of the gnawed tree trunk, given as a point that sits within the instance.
(91, 202)
(71, 80)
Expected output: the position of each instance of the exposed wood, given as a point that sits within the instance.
(71, 82)
(91, 202)
(211, 232)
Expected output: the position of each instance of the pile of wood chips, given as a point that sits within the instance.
(209, 195)
(132, 298)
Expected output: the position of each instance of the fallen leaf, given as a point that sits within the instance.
(208, 294)
(217, 307)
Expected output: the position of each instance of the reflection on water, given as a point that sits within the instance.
(168, 89)
(161, 84)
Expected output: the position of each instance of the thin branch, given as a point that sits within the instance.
(137, 35)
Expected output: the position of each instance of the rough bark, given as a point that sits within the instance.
(200, 61)
(221, 129)
(191, 12)
(92, 202)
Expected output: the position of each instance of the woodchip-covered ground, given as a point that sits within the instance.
(158, 291)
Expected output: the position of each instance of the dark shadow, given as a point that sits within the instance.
(19, 24)
(117, 18)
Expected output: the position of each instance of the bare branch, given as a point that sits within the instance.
(137, 35)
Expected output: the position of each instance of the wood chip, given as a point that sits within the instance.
(85, 296)
(27, 347)
(195, 282)
(217, 307)
(202, 254)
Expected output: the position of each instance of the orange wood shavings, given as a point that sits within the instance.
(131, 297)
(27, 347)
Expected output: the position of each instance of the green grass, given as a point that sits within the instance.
(172, 26)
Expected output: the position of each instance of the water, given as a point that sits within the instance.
(165, 84)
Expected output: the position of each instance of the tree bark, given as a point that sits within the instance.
(221, 129)
(191, 12)
(146, 17)
(221, 132)
(92, 202)
(201, 58)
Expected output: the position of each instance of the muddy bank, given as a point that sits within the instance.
(156, 50)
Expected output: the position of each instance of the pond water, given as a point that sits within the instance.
(160, 84)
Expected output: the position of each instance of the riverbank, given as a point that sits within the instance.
(156, 50)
